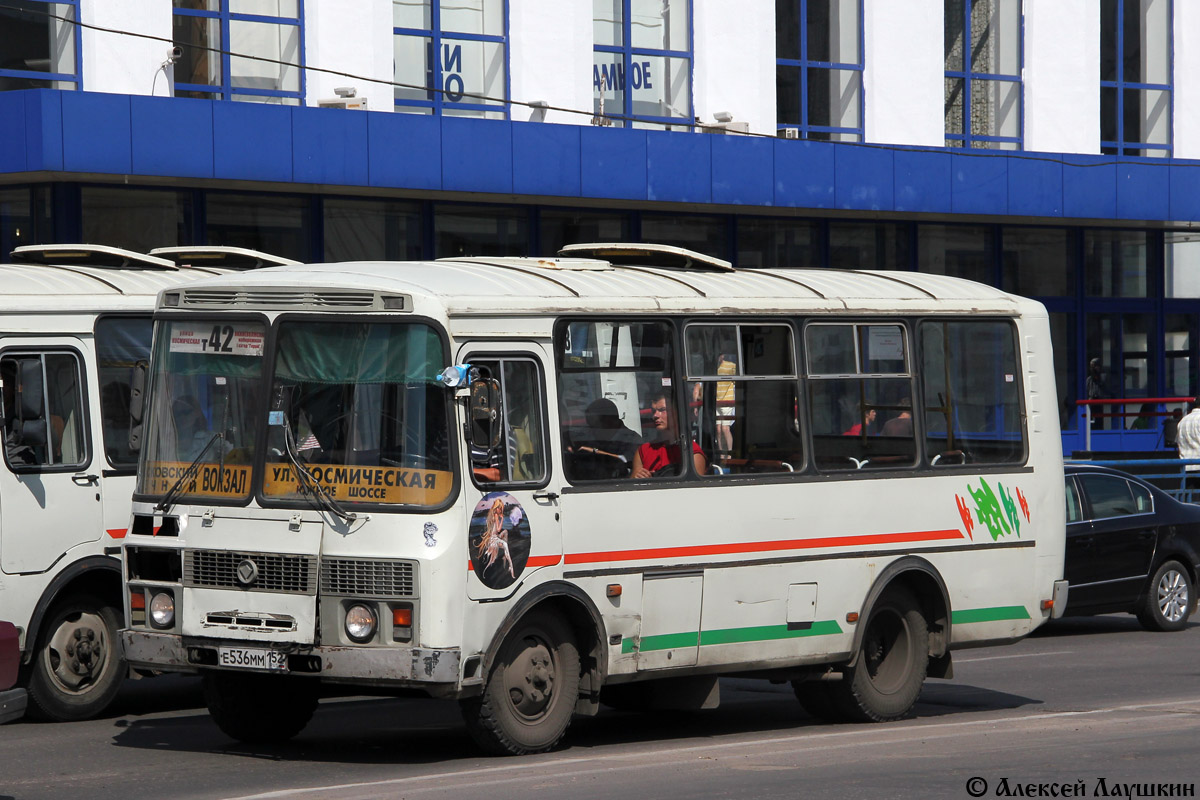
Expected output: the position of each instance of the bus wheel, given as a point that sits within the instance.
(1168, 599)
(532, 690)
(820, 699)
(259, 709)
(886, 679)
(78, 666)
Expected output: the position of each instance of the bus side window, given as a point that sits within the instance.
(743, 397)
(43, 406)
(516, 452)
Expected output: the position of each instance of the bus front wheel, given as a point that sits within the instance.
(77, 668)
(892, 660)
(259, 709)
(531, 692)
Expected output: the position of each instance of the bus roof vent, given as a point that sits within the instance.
(663, 256)
(88, 255)
(238, 258)
(292, 298)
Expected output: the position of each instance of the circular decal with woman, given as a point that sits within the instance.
(499, 540)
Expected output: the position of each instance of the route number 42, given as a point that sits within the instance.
(219, 341)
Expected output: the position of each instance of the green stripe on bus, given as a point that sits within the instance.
(762, 633)
(989, 614)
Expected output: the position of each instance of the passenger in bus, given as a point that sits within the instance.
(607, 432)
(663, 455)
(857, 428)
(901, 424)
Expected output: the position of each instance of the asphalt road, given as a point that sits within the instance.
(1079, 702)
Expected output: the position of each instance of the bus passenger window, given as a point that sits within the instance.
(516, 452)
(618, 402)
(860, 396)
(43, 407)
(972, 393)
(744, 398)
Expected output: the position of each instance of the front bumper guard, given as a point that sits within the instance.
(413, 666)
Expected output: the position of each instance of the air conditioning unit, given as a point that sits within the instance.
(789, 133)
(344, 102)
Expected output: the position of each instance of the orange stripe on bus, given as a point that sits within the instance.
(532, 561)
(117, 533)
(762, 547)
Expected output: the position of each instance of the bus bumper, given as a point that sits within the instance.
(383, 666)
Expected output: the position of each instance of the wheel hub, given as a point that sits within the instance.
(1172, 596)
(77, 652)
(530, 683)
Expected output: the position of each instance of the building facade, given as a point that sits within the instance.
(1048, 147)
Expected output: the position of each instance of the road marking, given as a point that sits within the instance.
(1021, 655)
(932, 731)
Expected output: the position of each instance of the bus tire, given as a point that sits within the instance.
(1168, 600)
(259, 709)
(78, 666)
(820, 699)
(531, 692)
(887, 676)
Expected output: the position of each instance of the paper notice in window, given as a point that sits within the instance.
(228, 340)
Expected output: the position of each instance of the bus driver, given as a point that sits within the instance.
(663, 453)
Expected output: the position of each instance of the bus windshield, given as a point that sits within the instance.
(353, 413)
(356, 415)
(204, 399)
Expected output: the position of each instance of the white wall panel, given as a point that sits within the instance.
(125, 64)
(904, 72)
(1187, 80)
(354, 37)
(1062, 76)
(734, 67)
(550, 58)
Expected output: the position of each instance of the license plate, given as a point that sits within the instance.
(252, 658)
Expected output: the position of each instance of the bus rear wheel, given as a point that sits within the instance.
(887, 676)
(531, 692)
(78, 666)
(259, 709)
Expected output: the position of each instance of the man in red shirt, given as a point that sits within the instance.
(665, 452)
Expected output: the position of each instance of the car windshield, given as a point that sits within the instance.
(357, 416)
(204, 396)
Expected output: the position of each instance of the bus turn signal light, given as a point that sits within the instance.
(613, 590)
(137, 599)
(402, 617)
(852, 616)
(1047, 605)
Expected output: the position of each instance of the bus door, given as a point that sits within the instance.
(514, 525)
(50, 497)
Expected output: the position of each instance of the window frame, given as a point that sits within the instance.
(804, 64)
(226, 90)
(85, 421)
(625, 117)
(1122, 145)
(438, 105)
(967, 139)
(501, 358)
(75, 77)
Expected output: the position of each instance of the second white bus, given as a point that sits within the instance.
(537, 485)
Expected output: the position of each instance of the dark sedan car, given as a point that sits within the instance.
(1130, 547)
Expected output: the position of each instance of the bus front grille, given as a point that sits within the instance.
(362, 577)
(271, 572)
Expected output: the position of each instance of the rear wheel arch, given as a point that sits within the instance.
(925, 583)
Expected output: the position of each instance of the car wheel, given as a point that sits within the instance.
(532, 690)
(1168, 600)
(78, 666)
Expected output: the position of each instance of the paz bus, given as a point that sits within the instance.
(537, 485)
(74, 321)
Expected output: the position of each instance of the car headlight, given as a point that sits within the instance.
(360, 622)
(162, 610)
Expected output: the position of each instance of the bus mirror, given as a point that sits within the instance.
(485, 414)
(137, 404)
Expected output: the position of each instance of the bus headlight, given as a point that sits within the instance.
(360, 622)
(162, 610)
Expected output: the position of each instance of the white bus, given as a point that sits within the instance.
(536, 485)
(74, 320)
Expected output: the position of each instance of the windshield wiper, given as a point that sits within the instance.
(308, 483)
(189, 473)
